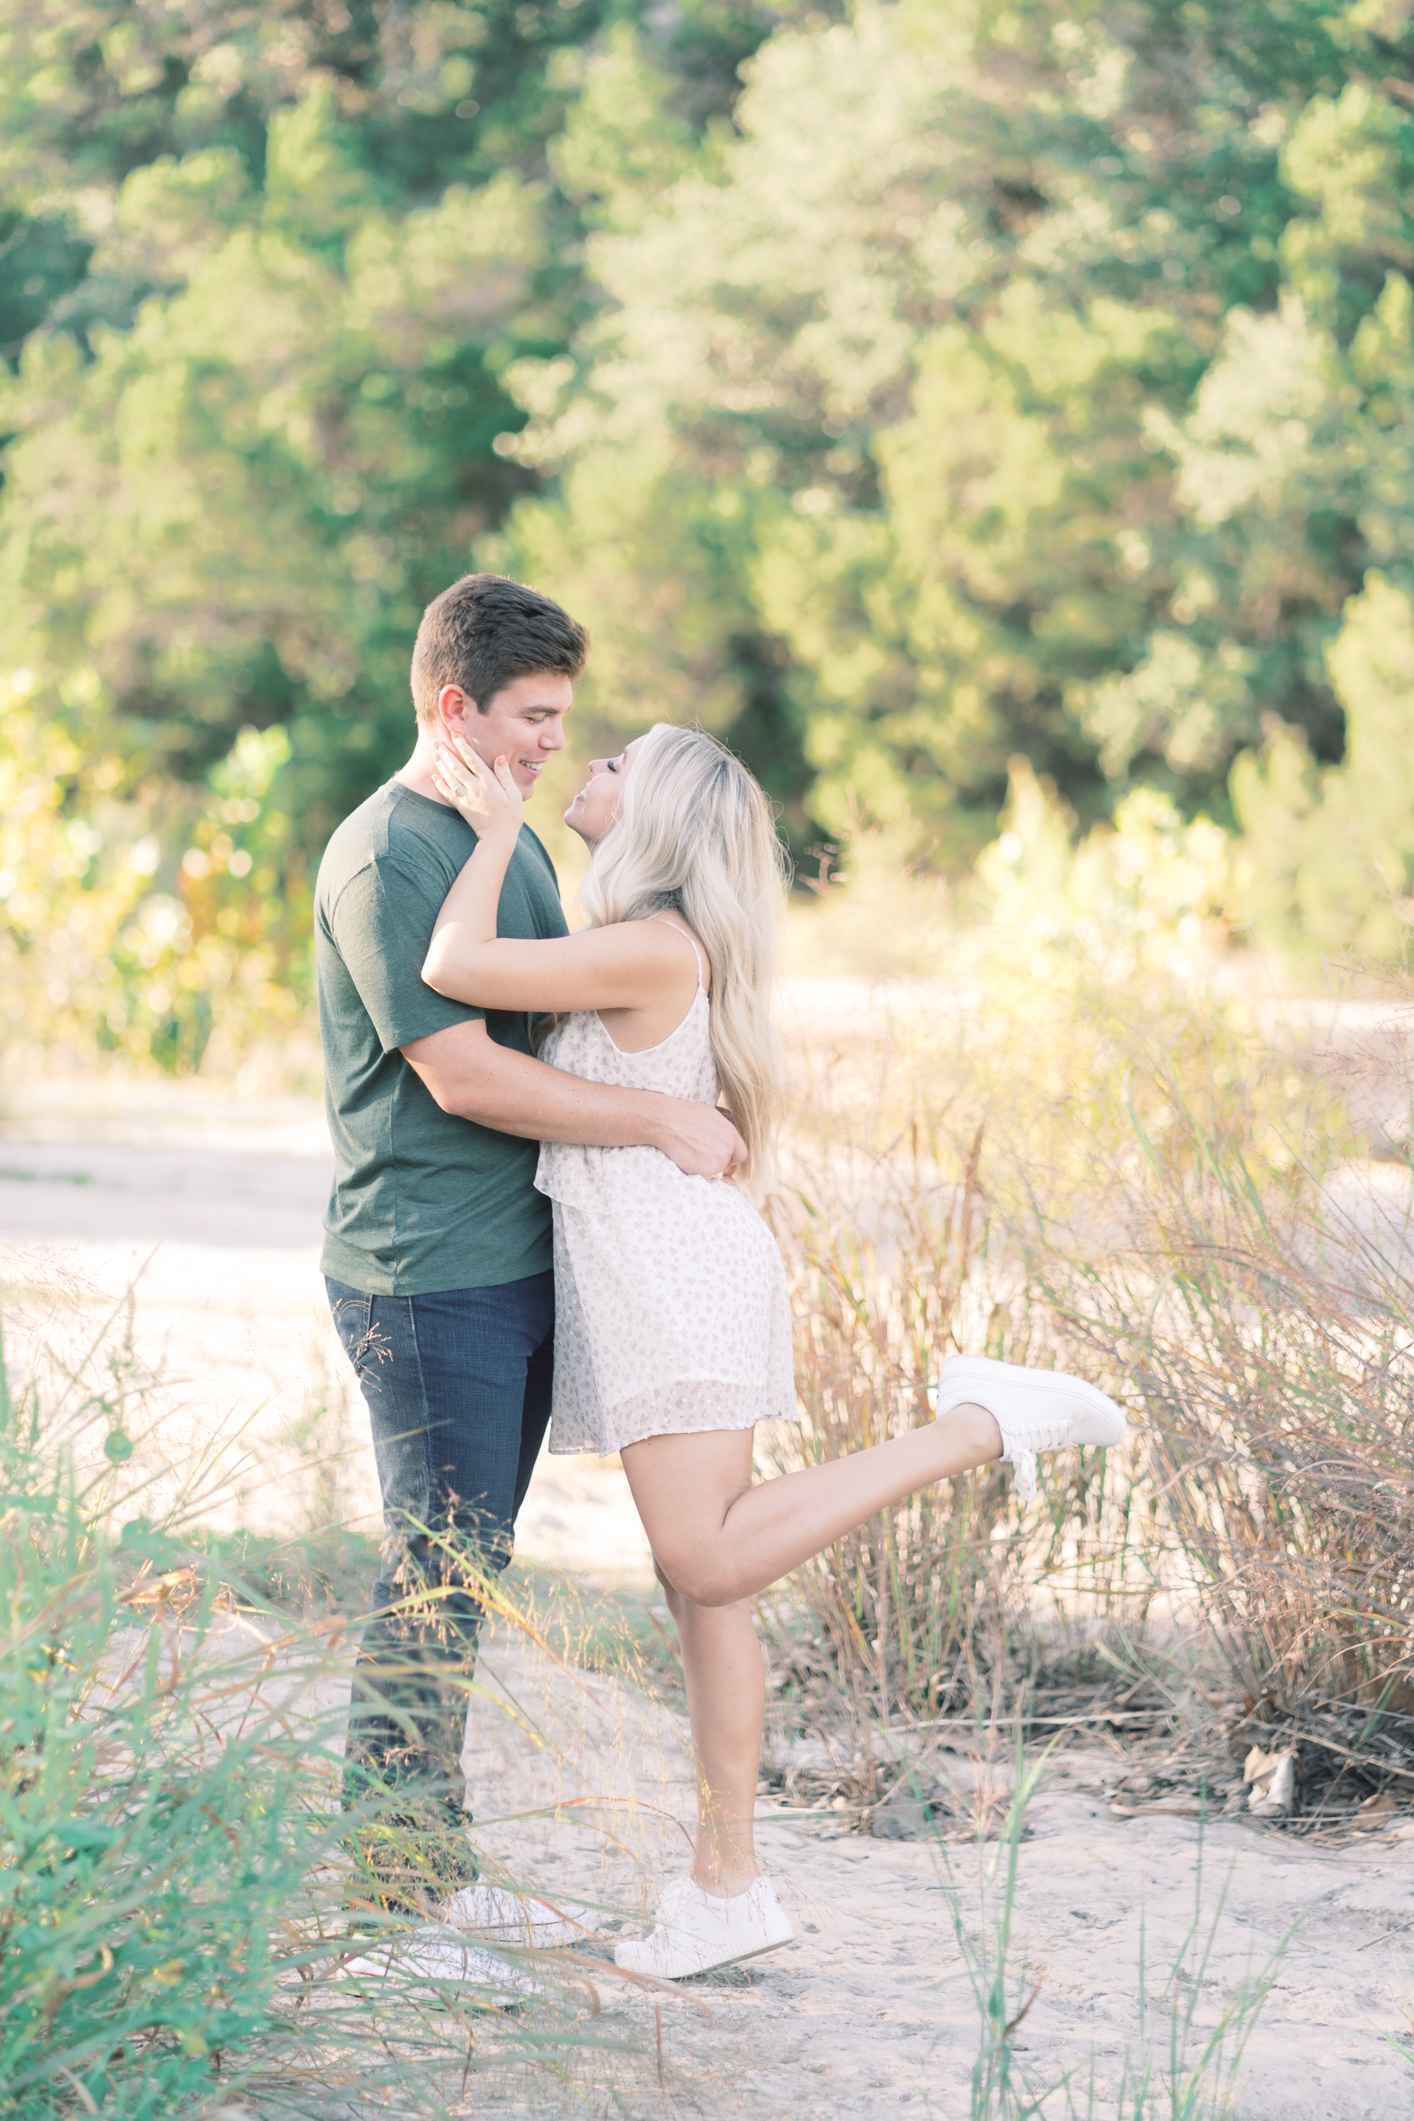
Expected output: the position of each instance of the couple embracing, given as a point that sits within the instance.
(567, 1238)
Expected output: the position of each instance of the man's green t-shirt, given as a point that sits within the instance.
(422, 1201)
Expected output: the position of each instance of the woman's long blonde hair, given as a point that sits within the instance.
(695, 835)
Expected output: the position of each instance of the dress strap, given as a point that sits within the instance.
(686, 938)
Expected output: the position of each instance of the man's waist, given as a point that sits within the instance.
(440, 1188)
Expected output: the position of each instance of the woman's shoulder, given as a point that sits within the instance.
(675, 923)
(661, 945)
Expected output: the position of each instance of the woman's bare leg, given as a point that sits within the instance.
(718, 1540)
(726, 1702)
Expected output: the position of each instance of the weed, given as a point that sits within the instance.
(1136, 1185)
(174, 1887)
(1178, 2066)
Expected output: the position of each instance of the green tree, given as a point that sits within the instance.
(1328, 854)
(1008, 380)
(261, 271)
(981, 381)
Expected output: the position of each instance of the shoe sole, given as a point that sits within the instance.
(732, 1959)
(544, 1940)
(500, 1989)
(1046, 1384)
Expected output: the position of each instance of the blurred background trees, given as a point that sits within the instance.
(907, 391)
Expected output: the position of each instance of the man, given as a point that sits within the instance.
(437, 1245)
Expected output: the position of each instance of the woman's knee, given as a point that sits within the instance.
(698, 1579)
(673, 1595)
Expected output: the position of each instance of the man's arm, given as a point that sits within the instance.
(470, 1075)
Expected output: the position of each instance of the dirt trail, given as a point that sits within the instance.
(870, 2012)
(208, 1207)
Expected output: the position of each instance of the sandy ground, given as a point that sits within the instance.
(872, 2010)
(207, 1209)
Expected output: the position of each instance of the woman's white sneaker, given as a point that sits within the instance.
(697, 1931)
(1036, 1410)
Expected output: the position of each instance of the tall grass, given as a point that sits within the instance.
(904, 1606)
(174, 1890)
(1134, 1183)
(1270, 1353)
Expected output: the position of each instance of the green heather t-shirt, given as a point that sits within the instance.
(422, 1201)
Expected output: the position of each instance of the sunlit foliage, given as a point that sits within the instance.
(1015, 379)
(261, 271)
(902, 392)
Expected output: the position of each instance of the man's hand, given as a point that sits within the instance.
(700, 1139)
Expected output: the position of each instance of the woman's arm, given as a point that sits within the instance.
(621, 967)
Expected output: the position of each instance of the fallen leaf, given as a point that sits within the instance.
(1272, 1777)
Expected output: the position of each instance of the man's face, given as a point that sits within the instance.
(523, 723)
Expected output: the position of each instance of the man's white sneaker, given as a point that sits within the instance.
(697, 1931)
(1036, 1410)
(431, 1954)
(494, 1915)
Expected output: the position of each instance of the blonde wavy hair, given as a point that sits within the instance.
(695, 835)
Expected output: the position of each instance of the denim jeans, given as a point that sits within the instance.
(458, 1392)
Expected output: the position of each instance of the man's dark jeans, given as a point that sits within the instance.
(458, 1392)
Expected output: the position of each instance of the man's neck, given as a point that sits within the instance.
(417, 774)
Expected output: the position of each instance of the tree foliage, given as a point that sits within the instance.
(1013, 379)
(263, 272)
(901, 393)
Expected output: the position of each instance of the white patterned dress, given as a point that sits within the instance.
(671, 1311)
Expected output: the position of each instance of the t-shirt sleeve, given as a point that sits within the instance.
(381, 925)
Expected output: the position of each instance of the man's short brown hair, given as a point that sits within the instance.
(483, 633)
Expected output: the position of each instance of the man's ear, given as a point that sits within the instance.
(454, 710)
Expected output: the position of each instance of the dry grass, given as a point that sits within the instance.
(906, 1614)
(1268, 1345)
(1134, 1184)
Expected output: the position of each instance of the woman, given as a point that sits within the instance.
(672, 1333)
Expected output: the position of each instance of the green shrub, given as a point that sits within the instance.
(153, 1838)
(177, 1909)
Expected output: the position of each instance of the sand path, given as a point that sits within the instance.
(870, 2012)
(207, 1207)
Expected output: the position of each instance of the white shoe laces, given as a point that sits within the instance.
(1024, 1464)
(1022, 1438)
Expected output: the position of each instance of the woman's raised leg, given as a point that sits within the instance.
(717, 1539)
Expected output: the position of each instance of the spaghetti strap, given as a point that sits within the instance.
(686, 938)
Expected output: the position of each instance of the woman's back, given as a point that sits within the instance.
(672, 1307)
(680, 1065)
